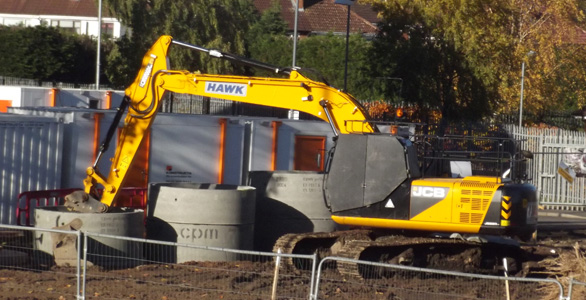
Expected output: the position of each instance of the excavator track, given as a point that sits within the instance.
(322, 243)
(427, 252)
(424, 252)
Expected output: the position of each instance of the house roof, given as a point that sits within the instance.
(81, 8)
(314, 15)
(324, 16)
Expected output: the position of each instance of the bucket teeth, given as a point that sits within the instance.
(80, 201)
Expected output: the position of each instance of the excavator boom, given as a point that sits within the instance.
(143, 97)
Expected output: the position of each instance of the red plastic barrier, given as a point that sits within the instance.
(130, 197)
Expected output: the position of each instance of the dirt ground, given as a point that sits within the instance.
(556, 254)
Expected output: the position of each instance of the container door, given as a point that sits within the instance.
(309, 153)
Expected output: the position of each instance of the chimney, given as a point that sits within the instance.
(301, 7)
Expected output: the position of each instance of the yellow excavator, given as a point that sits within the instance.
(374, 180)
(143, 98)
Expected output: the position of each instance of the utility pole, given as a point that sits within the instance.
(347, 3)
(99, 45)
(295, 33)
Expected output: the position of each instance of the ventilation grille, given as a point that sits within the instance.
(464, 217)
(474, 201)
(471, 218)
(479, 185)
(476, 218)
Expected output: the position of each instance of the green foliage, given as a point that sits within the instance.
(267, 40)
(214, 24)
(123, 62)
(45, 53)
(327, 54)
(320, 57)
(270, 22)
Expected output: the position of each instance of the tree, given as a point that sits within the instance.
(45, 53)
(555, 76)
(267, 40)
(320, 57)
(481, 45)
(122, 63)
(326, 55)
(215, 24)
(433, 70)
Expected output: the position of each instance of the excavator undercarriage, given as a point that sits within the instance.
(474, 254)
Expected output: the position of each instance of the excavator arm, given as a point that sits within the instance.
(143, 97)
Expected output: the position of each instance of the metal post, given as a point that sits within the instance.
(346, 60)
(295, 33)
(530, 53)
(85, 241)
(99, 45)
(521, 100)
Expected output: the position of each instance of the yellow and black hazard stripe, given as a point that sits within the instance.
(506, 211)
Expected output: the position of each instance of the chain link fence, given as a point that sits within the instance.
(576, 289)
(15, 81)
(102, 266)
(387, 281)
(27, 268)
(232, 274)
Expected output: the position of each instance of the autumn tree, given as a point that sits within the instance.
(471, 51)
(555, 75)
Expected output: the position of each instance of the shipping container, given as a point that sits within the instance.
(30, 158)
(180, 147)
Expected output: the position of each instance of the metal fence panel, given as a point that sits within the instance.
(15, 81)
(195, 104)
(34, 267)
(550, 146)
(145, 269)
(155, 275)
(387, 281)
(576, 290)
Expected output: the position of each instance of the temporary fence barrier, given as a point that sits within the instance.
(28, 201)
(20, 253)
(389, 281)
(576, 289)
(115, 267)
(234, 274)
(15, 81)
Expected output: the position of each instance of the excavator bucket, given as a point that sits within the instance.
(80, 201)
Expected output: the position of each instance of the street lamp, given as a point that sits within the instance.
(348, 3)
(295, 34)
(99, 45)
(530, 53)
